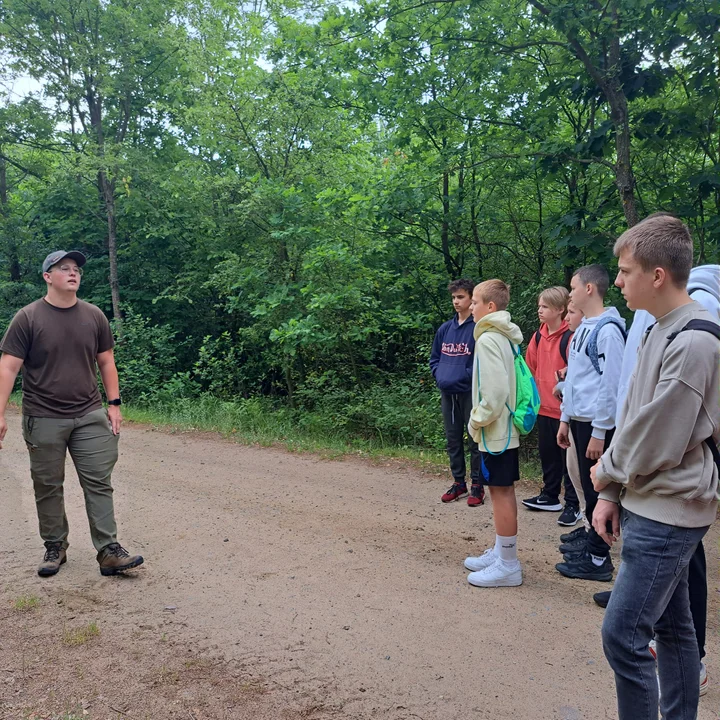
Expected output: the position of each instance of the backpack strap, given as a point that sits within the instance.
(714, 329)
(564, 342)
(696, 324)
(591, 347)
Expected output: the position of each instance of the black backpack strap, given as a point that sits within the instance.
(705, 325)
(715, 452)
(537, 338)
(714, 329)
(564, 342)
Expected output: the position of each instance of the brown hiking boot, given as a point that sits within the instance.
(55, 556)
(114, 559)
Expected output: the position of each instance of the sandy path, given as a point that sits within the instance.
(309, 588)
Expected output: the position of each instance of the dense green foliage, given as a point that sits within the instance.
(274, 196)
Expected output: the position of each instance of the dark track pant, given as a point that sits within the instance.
(552, 459)
(582, 432)
(456, 414)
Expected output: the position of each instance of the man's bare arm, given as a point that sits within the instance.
(109, 375)
(9, 368)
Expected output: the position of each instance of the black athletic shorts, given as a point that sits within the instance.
(500, 470)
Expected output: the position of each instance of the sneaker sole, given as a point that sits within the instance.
(546, 508)
(513, 580)
(477, 504)
(49, 573)
(116, 570)
(604, 577)
(568, 524)
(704, 688)
(459, 497)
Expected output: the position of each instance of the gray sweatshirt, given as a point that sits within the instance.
(587, 395)
(658, 464)
(703, 286)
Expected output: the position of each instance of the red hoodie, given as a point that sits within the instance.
(544, 360)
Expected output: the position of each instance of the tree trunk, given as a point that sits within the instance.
(445, 231)
(624, 177)
(473, 222)
(607, 78)
(107, 190)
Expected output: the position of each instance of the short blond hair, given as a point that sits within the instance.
(660, 240)
(495, 291)
(556, 297)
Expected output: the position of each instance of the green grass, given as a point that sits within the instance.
(252, 423)
(81, 635)
(26, 603)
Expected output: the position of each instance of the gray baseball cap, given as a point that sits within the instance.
(55, 257)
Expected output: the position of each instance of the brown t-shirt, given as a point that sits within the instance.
(59, 347)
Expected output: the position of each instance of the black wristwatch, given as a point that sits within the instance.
(115, 402)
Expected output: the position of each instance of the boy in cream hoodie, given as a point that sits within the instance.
(491, 426)
(660, 469)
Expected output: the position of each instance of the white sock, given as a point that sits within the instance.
(597, 560)
(506, 548)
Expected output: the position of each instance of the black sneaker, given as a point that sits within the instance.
(574, 545)
(569, 517)
(602, 598)
(574, 535)
(585, 569)
(573, 555)
(543, 502)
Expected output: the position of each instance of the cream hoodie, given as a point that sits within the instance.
(493, 383)
(657, 464)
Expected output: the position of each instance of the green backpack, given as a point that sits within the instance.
(527, 397)
(527, 400)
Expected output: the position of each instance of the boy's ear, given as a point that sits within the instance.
(660, 276)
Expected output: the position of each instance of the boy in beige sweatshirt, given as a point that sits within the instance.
(658, 479)
(497, 341)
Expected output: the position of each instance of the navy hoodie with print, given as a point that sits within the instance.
(452, 356)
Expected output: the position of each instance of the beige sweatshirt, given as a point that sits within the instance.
(493, 383)
(657, 464)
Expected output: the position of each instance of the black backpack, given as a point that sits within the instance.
(713, 329)
(564, 342)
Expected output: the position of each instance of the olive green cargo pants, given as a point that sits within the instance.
(94, 452)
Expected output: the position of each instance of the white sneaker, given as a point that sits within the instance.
(481, 562)
(703, 679)
(499, 574)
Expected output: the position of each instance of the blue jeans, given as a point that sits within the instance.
(650, 597)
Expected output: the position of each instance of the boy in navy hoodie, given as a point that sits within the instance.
(589, 408)
(451, 364)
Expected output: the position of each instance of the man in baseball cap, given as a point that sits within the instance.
(60, 342)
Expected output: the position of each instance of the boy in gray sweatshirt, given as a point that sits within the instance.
(660, 468)
(588, 408)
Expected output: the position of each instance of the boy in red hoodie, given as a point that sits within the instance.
(546, 355)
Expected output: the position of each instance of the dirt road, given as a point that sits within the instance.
(285, 586)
